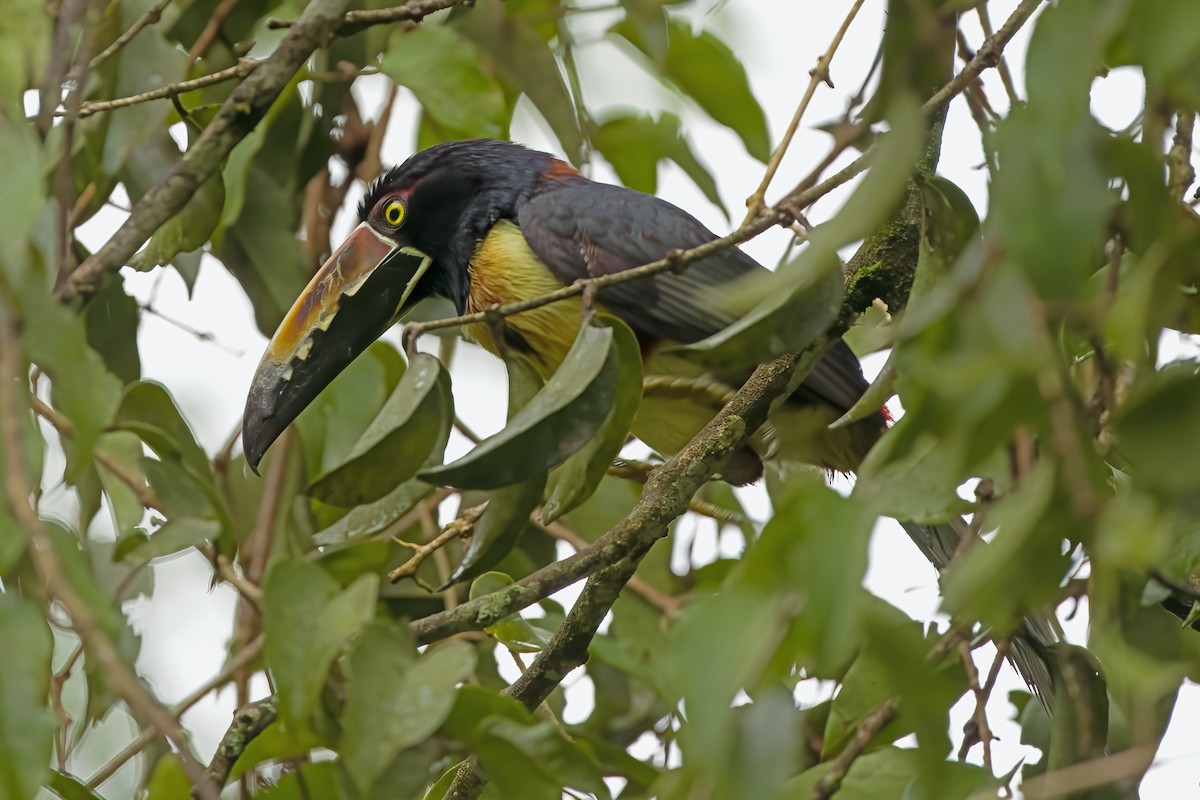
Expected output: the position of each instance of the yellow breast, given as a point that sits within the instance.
(503, 269)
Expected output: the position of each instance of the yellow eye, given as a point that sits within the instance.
(393, 213)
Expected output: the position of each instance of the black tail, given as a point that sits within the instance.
(1028, 646)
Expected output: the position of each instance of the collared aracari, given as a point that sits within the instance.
(483, 222)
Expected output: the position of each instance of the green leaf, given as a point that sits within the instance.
(499, 528)
(168, 781)
(556, 423)
(1150, 426)
(374, 517)
(310, 781)
(785, 311)
(1079, 729)
(635, 144)
(815, 549)
(188, 230)
(395, 700)
(410, 430)
(26, 724)
(22, 194)
(577, 478)
(999, 582)
(334, 422)
(889, 773)
(530, 761)
(83, 389)
(513, 631)
(524, 60)
(111, 321)
(69, 787)
(148, 410)
(707, 71)
(443, 70)
(307, 623)
(175, 535)
(24, 48)
(919, 484)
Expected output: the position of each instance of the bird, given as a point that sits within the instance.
(483, 222)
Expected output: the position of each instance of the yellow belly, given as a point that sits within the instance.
(503, 269)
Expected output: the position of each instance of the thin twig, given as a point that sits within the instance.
(355, 21)
(831, 781)
(144, 493)
(119, 676)
(239, 70)
(241, 659)
(152, 15)
(980, 731)
(985, 22)
(818, 75)
(989, 55)
(464, 525)
(211, 29)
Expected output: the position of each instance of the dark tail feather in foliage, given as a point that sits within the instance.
(1028, 645)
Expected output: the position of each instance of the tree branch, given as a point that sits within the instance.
(242, 659)
(355, 21)
(241, 112)
(239, 70)
(152, 15)
(818, 75)
(248, 723)
(831, 781)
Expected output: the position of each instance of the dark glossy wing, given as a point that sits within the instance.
(581, 229)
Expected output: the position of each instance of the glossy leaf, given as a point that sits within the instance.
(396, 699)
(513, 631)
(635, 144)
(443, 70)
(556, 423)
(707, 71)
(410, 430)
(111, 320)
(83, 388)
(890, 773)
(577, 478)
(365, 520)
(524, 60)
(148, 410)
(309, 620)
(26, 726)
(188, 230)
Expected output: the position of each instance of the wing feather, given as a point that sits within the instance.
(581, 229)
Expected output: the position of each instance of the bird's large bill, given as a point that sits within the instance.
(356, 295)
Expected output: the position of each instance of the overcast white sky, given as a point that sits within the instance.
(186, 626)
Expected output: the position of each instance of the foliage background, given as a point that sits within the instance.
(184, 624)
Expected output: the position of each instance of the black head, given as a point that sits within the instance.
(419, 223)
(448, 197)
